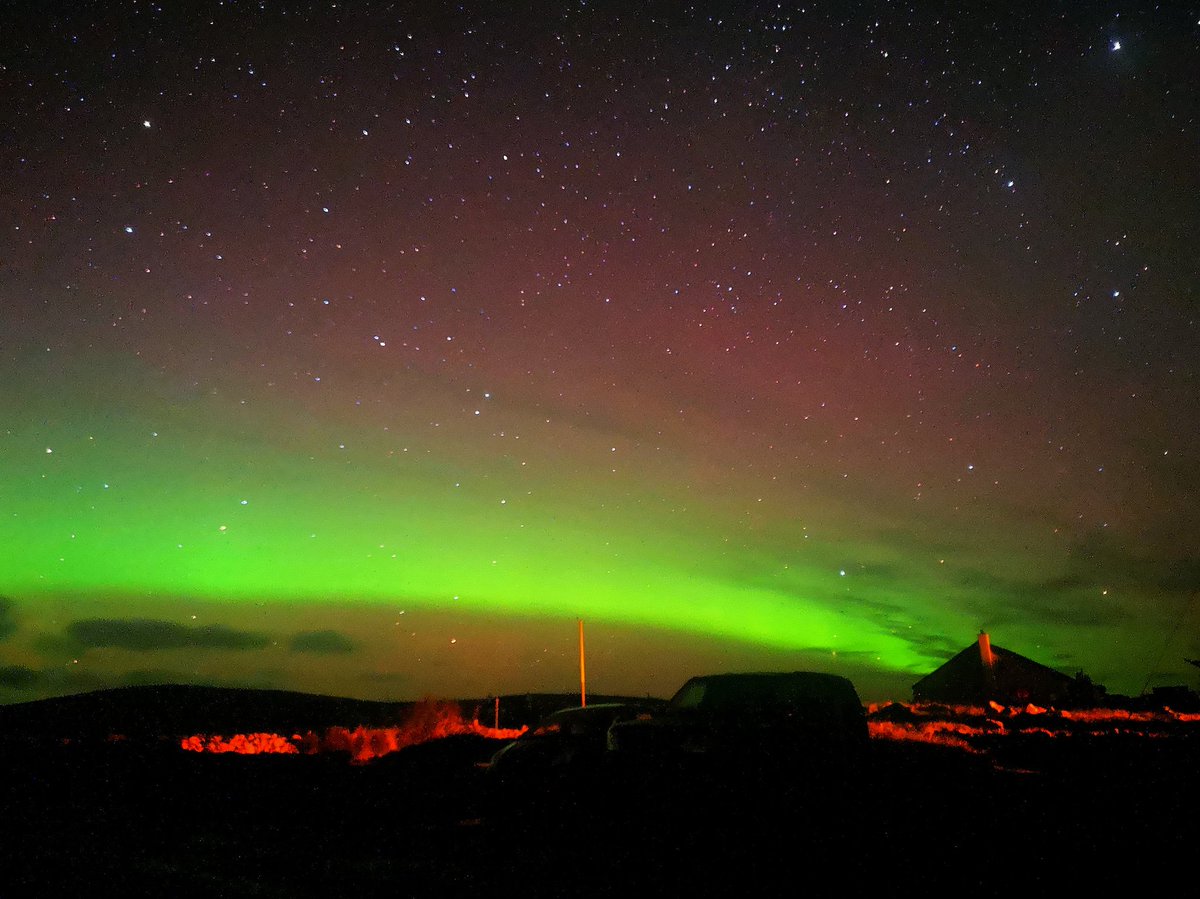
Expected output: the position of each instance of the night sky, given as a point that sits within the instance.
(362, 348)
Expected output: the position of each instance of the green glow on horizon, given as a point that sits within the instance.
(174, 499)
(185, 515)
(349, 553)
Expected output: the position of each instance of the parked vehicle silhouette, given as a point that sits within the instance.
(753, 719)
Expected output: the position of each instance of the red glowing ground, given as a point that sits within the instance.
(961, 727)
(427, 721)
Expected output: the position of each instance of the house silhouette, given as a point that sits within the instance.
(983, 672)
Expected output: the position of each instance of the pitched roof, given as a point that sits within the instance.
(1012, 676)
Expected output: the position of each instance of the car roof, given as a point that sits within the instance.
(597, 710)
(785, 686)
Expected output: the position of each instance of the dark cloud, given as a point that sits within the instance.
(935, 646)
(322, 642)
(8, 621)
(18, 677)
(1103, 558)
(1099, 560)
(1073, 599)
(145, 635)
(1179, 575)
(55, 645)
(976, 579)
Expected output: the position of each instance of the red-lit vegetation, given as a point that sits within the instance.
(940, 733)
(426, 721)
(969, 727)
(242, 744)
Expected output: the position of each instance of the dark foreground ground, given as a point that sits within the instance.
(130, 819)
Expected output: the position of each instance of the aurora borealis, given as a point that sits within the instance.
(362, 348)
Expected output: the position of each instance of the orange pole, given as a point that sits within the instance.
(497, 726)
(582, 670)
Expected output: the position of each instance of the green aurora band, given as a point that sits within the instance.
(170, 500)
(126, 483)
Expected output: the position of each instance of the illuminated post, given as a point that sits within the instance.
(987, 660)
(497, 724)
(582, 670)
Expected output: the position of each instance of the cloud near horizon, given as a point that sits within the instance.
(19, 677)
(8, 621)
(149, 635)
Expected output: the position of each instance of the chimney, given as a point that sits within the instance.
(988, 662)
(985, 650)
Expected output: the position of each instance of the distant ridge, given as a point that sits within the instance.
(173, 710)
(180, 710)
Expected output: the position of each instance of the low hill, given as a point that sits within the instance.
(176, 710)
(179, 710)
